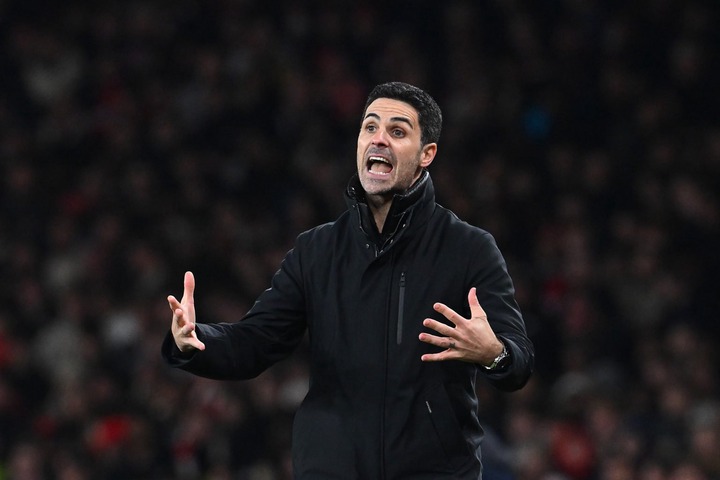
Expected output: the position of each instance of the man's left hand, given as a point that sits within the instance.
(470, 340)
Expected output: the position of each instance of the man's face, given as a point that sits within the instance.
(390, 154)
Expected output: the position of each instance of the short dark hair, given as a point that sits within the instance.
(429, 114)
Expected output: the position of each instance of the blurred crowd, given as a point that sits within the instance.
(140, 139)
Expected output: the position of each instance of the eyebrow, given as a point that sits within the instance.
(392, 119)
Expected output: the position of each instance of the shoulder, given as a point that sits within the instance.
(457, 237)
(458, 228)
(324, 233)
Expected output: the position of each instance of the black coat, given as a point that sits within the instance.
(374, 410)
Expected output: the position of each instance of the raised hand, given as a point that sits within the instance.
(470, 340)
(183, 319)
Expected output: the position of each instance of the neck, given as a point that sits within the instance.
(379, 206)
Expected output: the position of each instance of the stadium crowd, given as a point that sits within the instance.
(140, 139)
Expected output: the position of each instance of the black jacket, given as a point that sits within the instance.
(374, 410)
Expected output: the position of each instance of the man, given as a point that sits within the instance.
(394, 295)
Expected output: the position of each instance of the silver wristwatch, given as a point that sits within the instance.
(500, 361)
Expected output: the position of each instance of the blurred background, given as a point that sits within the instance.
(140, 139)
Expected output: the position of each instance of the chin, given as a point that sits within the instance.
(373, 187)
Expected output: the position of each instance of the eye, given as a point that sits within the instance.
(370, 128)
(398, 132)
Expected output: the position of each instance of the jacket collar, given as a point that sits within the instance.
(413, 207)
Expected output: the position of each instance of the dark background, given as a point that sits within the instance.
(140, 139)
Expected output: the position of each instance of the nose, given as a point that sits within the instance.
(379, 137)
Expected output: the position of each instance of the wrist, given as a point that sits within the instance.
(500, 362)
(184, 353)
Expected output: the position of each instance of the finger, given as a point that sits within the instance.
(442, 342)
(441, 328)
(475, 309)
(189, 284)
(450, 353)
(191, 341)
(173, 302)
(187, 329)
(448, 313)
(177, 310)
(440, 357)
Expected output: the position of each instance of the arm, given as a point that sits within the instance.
(269, 332)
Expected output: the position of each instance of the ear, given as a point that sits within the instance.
(428, 154)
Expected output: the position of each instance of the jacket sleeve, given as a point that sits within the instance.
(496, 294)
(269, 332)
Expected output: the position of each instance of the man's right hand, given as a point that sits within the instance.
(183, 319)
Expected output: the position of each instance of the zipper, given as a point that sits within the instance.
(401, 308)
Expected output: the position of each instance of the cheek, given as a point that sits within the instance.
(406, 171)
(359, 159)
(361, 147)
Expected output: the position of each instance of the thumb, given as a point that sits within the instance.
(476, 311)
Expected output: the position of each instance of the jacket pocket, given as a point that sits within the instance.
(424, 439)
(401, 309)
(446, 427)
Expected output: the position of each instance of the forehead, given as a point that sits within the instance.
(387, 108)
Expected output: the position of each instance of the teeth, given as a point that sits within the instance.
(378, 159)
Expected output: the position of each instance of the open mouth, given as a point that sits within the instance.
(379, 165)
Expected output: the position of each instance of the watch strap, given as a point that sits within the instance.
(500, 361)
